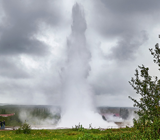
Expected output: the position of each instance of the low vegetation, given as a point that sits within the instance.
(81, 134)
(25, 128)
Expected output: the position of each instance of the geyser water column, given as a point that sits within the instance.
(77, 104)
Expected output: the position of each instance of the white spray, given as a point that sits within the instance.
(77, 94)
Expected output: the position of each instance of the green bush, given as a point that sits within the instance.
(78, 127)
(25, 128)
(19, 131)
(150, 130)
(148, 87)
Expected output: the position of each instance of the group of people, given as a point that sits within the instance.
(2, 124)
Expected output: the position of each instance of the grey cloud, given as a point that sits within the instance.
(11, 68)
(125, 16)
(112, 80)
(17, 91)
(21, 22)
(132, 7)
(127, 46)
(106, 83)
(30, 90)
(125, 21)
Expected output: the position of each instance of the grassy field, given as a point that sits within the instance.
(69, 134)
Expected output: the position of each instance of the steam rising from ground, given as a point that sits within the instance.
(78, 106)
(27, 116)
(40, 118)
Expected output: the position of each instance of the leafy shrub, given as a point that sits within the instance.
(19, 131)
(25, 128)
(150, 130)
(78, 127)
(148, 88)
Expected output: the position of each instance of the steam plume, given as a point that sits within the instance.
(78, 104)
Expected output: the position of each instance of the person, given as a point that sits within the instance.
(3, 124)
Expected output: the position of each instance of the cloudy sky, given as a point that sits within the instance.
(33, 36)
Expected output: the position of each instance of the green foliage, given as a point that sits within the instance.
(156, 54)
(14, 120)
(11, 120)
(3, 111)
(78, 127)
(88, 134)
(18, 131)
(108, 136)
(98, 134)
(150, 130)
(25, 128)
(41, 113)
(148, 87)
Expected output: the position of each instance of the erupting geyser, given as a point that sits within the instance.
(77, 102)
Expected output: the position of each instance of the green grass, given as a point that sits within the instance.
(40, 135)
(76, 134)
(63, 134)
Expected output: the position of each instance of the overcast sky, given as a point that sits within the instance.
(33, 35)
